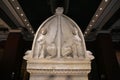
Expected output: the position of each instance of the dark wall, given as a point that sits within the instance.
(105, 65)
(12, 58)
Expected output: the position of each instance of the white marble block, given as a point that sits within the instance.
(58, 51)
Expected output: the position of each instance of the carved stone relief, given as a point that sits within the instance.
(58, 50)
(59, 37)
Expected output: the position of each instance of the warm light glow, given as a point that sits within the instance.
(28, 24)
(96, 15)
(21, 14)
(32, 31)
(106, 0)
(93, 20)
(30, 28)
(88, 29)
(12, 0)
(25, 20)
(101, 8)
(85, 32)
(90, 25)
(17, 7)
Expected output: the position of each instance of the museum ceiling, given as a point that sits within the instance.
(93, 16)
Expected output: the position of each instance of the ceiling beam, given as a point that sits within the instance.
(14, 11)
(15, 4)
(9, 10)
(4, 24)
(104, 12)
(108, 13)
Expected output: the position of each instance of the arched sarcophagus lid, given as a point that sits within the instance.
(59, 37)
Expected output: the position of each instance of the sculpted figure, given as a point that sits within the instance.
(77, 45)
(46, 49)
(72, 47)
(67, 50)
(41, 44)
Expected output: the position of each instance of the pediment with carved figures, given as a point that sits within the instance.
(59, 37)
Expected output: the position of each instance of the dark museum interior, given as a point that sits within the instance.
(99, 21)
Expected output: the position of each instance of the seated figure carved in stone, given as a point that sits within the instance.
(72, 48)
(67, 51)
(42, 44)
(45, 50)
(78, 43)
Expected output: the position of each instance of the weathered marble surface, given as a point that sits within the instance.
(58, 51)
